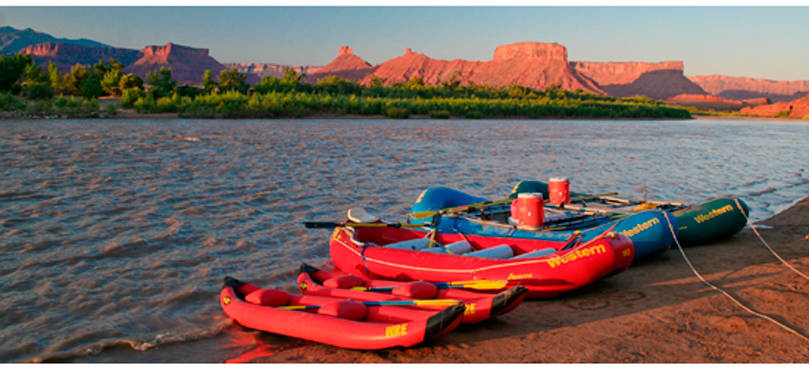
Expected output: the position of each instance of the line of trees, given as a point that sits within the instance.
(230, 95)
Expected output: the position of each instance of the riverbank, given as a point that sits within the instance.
(657, 311)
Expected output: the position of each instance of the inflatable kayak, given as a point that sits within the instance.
(334, 321)
(710, 221)
(544, 268)
(479, 306)
(648, 230)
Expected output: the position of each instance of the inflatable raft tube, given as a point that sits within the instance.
(566, 266)
(352, 326)
(480, 306)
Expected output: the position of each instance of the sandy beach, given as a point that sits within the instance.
(657, 311)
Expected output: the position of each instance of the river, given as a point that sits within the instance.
(115, 234)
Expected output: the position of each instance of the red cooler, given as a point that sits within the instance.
(515, 210)
(559, 191)
(532, 209)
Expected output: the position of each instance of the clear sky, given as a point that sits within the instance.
(766, 42)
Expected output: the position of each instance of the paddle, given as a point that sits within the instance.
(475, 285)
(484, 204)
(331, 225)
(421, 303)
(358, 217)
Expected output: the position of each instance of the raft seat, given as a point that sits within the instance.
(535, 254)
(495, 252)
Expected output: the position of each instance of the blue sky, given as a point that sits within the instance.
(766, 42)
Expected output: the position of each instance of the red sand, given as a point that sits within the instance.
(657, 311)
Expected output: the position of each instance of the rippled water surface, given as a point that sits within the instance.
(115, 235)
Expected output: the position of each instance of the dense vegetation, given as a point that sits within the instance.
(229, 95)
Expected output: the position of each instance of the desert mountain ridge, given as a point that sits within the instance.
(531, 64)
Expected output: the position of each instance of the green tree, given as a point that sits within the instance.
(161, 82)
(233, 80)
(415, 83)
(12, 69)
(91, 87)
(74, 79)
(55, 77)
(290, 76)
(208, 83)
(111, 81)
(37, 84)
(130, 81)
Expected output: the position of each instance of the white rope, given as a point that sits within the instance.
(723, 292)
(766, 244)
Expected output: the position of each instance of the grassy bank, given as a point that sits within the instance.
(399, 103)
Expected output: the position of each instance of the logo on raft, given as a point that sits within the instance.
(303, 286)
(226, 300)
(512, 276)
(713, 214)
(641, 227)
(470, 308)
(582, 253)
(396, 330)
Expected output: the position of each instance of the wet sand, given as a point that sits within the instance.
(657, 311)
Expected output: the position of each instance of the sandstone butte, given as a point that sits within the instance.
(798, 108)
(346, 65)
(745, 87)
(530, 64)
(64, 56)
(187, 64)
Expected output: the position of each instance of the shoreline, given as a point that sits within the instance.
(657, 311)
(131, 114)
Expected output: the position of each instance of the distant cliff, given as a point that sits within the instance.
(64, 56)
(530, 64)
(13, 40)
(798, 108)
(745, 87)
(346, 65)
(187, 64)
(623, 79)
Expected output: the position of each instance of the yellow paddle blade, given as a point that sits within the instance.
(644, 206)
(293, 307)
(436, 302)
(359, 288)
(480, 284)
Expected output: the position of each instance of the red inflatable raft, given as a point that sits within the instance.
(545, 268)
(338, 322)
(479, 305)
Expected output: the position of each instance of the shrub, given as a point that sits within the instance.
(111, 109)
(397, 113)
(9, 102)
(40, 107)
(130, 96)
(782, 114)
(472, 115)
(443, 114)
(37, 90)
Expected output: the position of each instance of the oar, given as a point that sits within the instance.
(485, 204)
(475, 285)
(433, 223)
(421, 303)
(460, 209)
(335, 225)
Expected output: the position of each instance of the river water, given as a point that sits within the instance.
(115, 234)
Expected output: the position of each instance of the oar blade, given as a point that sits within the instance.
(321, 225)
(480, 285)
